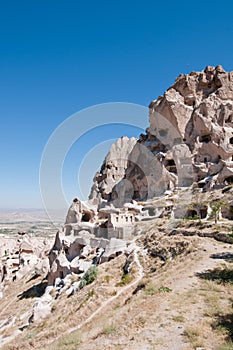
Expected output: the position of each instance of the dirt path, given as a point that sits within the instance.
(185, 280)
(120, 292)
(164, 327)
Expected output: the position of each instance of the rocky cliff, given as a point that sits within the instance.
(189, 139)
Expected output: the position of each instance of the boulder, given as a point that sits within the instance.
(41, 309)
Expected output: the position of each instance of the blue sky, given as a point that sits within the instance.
(58, 57)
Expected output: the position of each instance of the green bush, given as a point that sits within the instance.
(164, 289)
(125, 279)
(150, 290)
(195, 217)
(89, 276)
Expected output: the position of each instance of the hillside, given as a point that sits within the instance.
(182, 301)
(146, 262)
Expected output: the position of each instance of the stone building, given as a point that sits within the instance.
(120, 225)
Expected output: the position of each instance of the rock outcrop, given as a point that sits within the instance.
(190, 139)
(113, 169)
(72, 255)
(22, 256)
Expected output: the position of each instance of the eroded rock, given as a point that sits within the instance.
(190, 139)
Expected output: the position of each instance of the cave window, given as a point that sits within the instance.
(86, 217)
(203, 212)
(191, 213)
(231, 140)
(229, 119)
(205, 159)
(113, 176)
(232, 158)
(171, 166)
(104, 225)
(126, 218)
(117, 219)
(229, 180)
(205, 138)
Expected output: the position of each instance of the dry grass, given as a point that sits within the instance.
(145, 315)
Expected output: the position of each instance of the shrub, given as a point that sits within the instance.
(164, 289)
(125, 279)
(109, 330)
(150, 290)
(89, 276)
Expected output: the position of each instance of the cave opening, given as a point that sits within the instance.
(229, 180)
(229, 119)
(170, 165)
(86, 217)
(205, 138)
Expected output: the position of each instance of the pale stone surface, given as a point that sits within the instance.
(113, 169)
(190, 138)
(75, 255)
(20, 256)
(41, 309)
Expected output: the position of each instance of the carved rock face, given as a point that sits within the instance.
(190, 138)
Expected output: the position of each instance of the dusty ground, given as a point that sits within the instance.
(172, 306)
(174, 311)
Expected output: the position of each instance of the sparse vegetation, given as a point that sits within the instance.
(226, 346)
(172, 285)
(125, 279)
(69, 342)
(194, 335)
(109, 330)
(107, 278)
(164, 289)
(195, 217)
(89, 276)
(224, 323)
(178, 318)
(216, 209)
(150, 290)
(220, 275)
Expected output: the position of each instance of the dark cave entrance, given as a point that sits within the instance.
(86, 217)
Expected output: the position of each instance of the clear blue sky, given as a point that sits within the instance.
(58, 57)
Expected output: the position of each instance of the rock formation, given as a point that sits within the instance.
(22, 256)
(113, 169)
(190, 139)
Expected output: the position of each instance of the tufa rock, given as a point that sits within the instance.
(189, 139)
